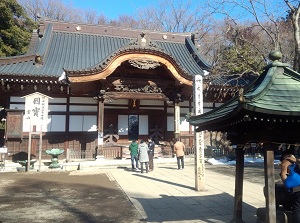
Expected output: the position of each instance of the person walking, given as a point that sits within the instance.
(179, 149)
(143, 155)
(151, 146)
(133, 148)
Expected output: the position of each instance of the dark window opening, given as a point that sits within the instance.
(133, 127)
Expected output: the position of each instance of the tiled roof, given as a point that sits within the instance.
(91, 47)
(275, 93)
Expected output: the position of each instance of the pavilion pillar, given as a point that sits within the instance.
(269, 184)
(177, 120)
(239, 177)
(100, 129)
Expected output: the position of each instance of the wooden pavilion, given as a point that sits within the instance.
(267, 112)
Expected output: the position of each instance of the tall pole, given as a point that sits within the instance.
(199, 136)
(40, 147)
(177, 119)
(29, 149)
(100, 127)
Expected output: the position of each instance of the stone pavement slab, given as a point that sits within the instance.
(169, 195)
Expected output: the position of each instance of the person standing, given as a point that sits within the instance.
(179, 149)
(133, 148)
(143, 155)
(151, 146)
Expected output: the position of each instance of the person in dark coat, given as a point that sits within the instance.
(151, 146)
(143, 155)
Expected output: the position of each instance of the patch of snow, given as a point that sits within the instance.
(225, 161)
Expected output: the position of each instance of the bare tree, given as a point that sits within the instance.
(172, 16)
(125, 21)
(266, 22)
(54, 9)
(59, 10)
(294, 16)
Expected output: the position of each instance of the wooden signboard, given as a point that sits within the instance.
(36, 113)
(14, 124)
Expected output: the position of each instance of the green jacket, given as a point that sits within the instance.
(133, 147)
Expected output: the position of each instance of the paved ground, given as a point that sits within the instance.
(63, 197)
(114, 193)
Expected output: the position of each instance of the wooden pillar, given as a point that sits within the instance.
(199, 136)
(269, 184)
(238, 196)
(100, 128)
(177, 120)
(199, 162)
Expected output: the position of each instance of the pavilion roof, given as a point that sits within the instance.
(274, 97)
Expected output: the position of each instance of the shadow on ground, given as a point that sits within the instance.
(63, 197)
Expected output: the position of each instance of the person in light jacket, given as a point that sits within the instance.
(179, 149)
(143, 155)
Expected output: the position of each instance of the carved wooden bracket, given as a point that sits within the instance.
(144, 63)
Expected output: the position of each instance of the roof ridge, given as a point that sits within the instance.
(113, 31)
(47, 20)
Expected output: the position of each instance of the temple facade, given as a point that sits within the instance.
(106, 86)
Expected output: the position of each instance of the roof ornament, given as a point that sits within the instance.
(275, 56)
(38, 60)
(143, 40)
(78, 28)
(63, 79)
(241, 95)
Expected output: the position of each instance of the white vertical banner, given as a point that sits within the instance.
(198, 94)
(177, 118)
(199, 136)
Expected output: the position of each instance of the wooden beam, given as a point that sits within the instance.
(239, 177)
(270, 184)
(136, 95)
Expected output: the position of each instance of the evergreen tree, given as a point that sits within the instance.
(15, 29)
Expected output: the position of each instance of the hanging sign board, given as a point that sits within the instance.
(3, 149)
(36, 109)
(14, 124)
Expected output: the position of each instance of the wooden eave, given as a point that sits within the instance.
(102, 71)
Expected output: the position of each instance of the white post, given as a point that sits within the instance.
(29, 149)
(177, 120)
(199, 136)
(40, 147)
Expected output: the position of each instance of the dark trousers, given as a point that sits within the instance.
(151, 166)
(180, 159)
(296, 207)
(142, 167)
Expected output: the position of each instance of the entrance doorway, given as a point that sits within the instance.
(133, 127)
